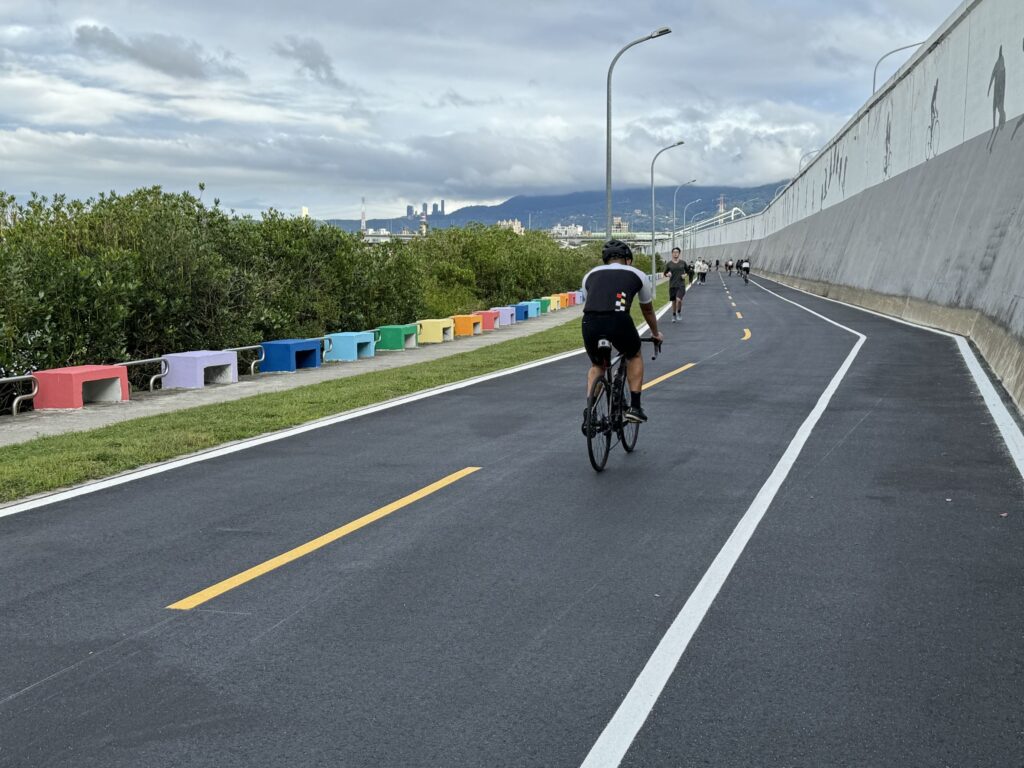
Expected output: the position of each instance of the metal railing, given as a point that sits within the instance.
(257, 361)
(21, 398)
(164, 369)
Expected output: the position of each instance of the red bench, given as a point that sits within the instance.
(74, 387)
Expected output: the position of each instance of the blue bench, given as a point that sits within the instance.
(532, 308)
(290, 355)
(350, 346)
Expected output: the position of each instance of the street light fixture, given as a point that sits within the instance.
(874, 80)
(608, 127)
(806, 155)
(685, 208)
(654, 213)
(691, 181)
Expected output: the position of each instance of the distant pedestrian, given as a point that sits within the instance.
(676, 271)
(716, 264)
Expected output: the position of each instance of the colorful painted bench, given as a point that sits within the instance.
(288, 355)
(80, 384)
(436, 331)
(351, 345)
(580, 297)
(397, 337)
(491, 318)
(468, 325)
(506, 315)
(194, 370)
(532, 309)
(545, 305)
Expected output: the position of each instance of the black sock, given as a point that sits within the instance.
(634, 399)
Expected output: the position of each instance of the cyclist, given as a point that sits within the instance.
(676, 271)
(610, 290)
(745, 266)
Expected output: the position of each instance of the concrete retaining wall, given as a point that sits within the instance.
(916, 208)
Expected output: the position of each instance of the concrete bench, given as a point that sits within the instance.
(580, 298)
(436, 331)
(491, 318)
(397, 337)
(532, 309)
(81, 384)
(545, 305)
(350, 346)
(506, 315)
(288, 355)
(556, 302)
(194, 370)
(468, 325)
(568, 299)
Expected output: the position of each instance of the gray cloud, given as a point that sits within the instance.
(452, 98)
(312, 59)
(174, 56)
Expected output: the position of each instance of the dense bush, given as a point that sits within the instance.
(140, 275)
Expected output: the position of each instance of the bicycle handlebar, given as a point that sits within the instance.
(657, 347)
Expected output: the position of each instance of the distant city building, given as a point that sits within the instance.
(514, 224)
(436, 210)
(442, 207)
(618, 225)
(409, 211)
(567, 230)
(424, 209)
(423, 222)
(305, 212)
(362, 216)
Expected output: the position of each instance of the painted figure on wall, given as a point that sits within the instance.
(887, 164)
(997, 89)
(933, 126)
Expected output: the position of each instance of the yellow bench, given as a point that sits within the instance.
(436, 331)
(556, 303)
(468, 325)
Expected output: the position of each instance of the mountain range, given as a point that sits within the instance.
(586, 209)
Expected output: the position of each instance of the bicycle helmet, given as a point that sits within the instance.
(616, 249)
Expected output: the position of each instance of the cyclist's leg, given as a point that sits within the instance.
(595, 328)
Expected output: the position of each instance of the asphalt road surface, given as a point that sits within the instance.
(874, 617)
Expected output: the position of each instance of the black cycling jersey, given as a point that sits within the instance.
(611, 288)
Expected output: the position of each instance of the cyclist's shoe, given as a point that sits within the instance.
(635, 415)
(585, 426)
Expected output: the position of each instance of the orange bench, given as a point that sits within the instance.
(468, 325)
(74, 387)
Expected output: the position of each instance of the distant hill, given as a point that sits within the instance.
(584, 208)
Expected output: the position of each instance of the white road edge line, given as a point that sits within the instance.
(1007, 425)
(617, 737)
(225, 450)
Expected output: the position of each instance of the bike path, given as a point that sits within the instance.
(497, 622)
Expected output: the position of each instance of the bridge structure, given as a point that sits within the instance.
(813, 557)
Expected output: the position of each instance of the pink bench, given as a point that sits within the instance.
(490, 317)
(74, 387)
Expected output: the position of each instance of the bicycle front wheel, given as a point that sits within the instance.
(599, 434)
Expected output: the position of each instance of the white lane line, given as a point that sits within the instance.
(242, 445)
(1008, 427)
(629, 718)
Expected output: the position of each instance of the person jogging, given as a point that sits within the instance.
(676, 271)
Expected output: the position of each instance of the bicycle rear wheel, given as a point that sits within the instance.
(599, 435)
(628, 435)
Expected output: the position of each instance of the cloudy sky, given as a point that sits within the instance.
(321, 102)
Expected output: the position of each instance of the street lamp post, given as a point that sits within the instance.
(874, 80)
(608, 127)
(691, 181)
(654, 213)
(806, 155)
(685, 208)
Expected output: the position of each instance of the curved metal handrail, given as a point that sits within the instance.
(16, 405)
(164, 368)
(257, 361)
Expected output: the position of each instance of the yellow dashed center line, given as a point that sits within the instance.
(739, 316)
(746, 335)
(667, 376)
(256, 571)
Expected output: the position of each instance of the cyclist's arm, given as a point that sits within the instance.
(647, 310)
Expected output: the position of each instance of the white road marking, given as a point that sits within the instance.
(1008, 427)
(241, 445)
(629, 718)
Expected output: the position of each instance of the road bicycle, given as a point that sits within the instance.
(606, 405)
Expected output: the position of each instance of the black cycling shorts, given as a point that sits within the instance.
(617, 327)
(676, 293)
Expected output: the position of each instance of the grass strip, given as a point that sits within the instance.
(49, 463)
